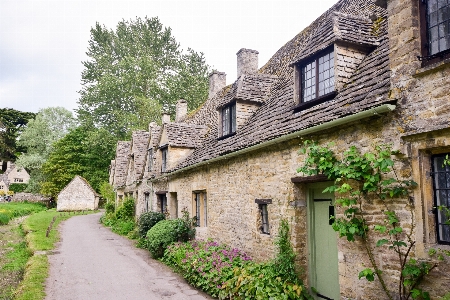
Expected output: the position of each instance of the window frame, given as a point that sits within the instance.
(230, 121)
(164, 154)
(162, 199)
(200, 208)
(427, 58)
(299, 80)
(263, 208)
(150, 159)
(436, 211)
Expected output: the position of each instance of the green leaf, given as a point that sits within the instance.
(382, 242)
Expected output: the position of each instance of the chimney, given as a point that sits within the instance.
(247, 61)
(165, 118)
(151, 126)
(181, 110)
(217, 81)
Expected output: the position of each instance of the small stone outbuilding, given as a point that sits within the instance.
(77, 195)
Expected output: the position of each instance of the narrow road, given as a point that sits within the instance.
(91, 262)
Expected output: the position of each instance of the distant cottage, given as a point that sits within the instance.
(77, 195)
(10, 173)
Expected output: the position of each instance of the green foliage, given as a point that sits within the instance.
(107, 192)
(13, 210)
(166, 232)
(229, 273)
(122, 220)
(285, 259)
(18, 257)
(4, 219)
(12, 123)
(204, 264)
(148, 220)
(370, 177)
(84, 151)
(135, 71)
(17, 187)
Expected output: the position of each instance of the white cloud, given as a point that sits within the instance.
(42, 42)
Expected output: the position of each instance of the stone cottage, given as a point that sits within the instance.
(77, 195)
(10, 173)
(365, 72)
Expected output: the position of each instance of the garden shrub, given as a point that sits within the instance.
(121, 221)
(4, 219)
(205, 264)
(17, 187)
(148, 220)
(166, 232)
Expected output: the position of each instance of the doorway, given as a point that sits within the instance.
(322, 243)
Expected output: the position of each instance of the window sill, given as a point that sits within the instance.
(431, 68)
(266, 235)
(226, 136)
(317, 101)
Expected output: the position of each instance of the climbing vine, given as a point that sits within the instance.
(371, 178)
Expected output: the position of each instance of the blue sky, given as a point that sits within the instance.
(43, 42)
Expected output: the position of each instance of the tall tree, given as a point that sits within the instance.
(135, 71)
(12, 123)
(84, 151)
(50, 125)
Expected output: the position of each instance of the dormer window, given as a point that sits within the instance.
(317, 78)
(228, 117)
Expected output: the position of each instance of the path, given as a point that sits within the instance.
(91, 262)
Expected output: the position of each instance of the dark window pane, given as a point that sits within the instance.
(432, 5)
(442, 3)
(233, 118)
(433, 18)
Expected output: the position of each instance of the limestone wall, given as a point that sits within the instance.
(77, 195)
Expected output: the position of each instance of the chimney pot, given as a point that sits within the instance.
(165, 118)
(247, 61)
(181, 110)
(217, 81)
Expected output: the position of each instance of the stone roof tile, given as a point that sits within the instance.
(185, 135)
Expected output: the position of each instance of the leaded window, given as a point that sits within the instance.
(163, 203)
(317, 77)
(150, 160)
(438, 21)
(228, 115)
(201, 209)
(441, 187)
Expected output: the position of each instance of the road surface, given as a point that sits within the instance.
(91, 262)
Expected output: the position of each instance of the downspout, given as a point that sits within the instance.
(385, 108)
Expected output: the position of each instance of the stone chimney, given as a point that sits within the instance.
(165, 118)
(151, 126)
(217, 81)
(247, 61)
(181, 110)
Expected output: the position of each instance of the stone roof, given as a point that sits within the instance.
(140, 140)
(185, 135)
(249, 87)
(121, 168)
(84, 181)
(368, 87)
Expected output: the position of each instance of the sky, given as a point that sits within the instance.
(43, 42)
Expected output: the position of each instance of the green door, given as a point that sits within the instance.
(323, 254)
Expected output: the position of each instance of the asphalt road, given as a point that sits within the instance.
(91, 262)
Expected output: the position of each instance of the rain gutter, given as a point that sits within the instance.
(385, 108)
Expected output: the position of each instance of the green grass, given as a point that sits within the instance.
(17, 209)
(18, 257)
(32, 286)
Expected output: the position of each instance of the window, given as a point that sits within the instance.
(146, 200)
(263, 215)
(264, 218)
(441, 188)
(317, 78)
(1, 187)
(18, 180)
(200, 208)
(228, 115)
(435, 30)
(162, 198)
(164, 159)
(150, 160)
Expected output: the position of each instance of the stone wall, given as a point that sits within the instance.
(243, 112)
(346, 62)
(77, 195)
(232, 185)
